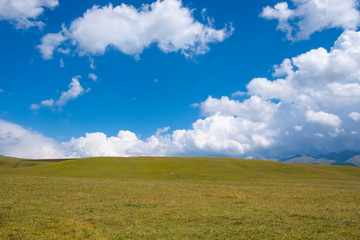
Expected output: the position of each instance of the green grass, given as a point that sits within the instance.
(177, 198)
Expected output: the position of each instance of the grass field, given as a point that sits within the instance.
(177, 198)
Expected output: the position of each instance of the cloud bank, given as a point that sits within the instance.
(23, 13)
(310, 16)
(19, 142)
(311, 106)
(165, 23)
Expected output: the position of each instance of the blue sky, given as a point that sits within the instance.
(261, 79)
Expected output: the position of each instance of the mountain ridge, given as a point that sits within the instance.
(344, 158)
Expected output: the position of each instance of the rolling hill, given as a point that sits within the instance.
(176, 198)
(164, 168)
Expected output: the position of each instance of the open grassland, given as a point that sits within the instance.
(177, 198)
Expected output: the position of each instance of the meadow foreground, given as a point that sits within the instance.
(177, 198)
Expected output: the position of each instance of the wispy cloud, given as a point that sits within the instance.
(49, 43)
(93, 77)
(62, 65)
(75, 90)
(238, 94)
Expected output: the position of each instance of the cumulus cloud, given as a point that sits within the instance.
(310, 110)
(75, 90)
(323, 118)
(165, 23)
(309, 16)
(319, 91)
(223, 135)
(23, 13)
(254, 108)
(217, 135)
(17, 141)
(354, 116)
(318, 78)
(280, 88)
(310, 106)
(98, 144)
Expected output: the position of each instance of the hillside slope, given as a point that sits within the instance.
(176, 198)
(163, 168)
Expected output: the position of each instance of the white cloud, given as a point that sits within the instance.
(323, 118)
(1, 90)
(49, 43)
(19, 142)
(214, 136)
(34, 106)
(309, 16)
(162, 130)
(280, 88)
(165, 23)
(195, 105)
(354, 116)
(346, 90)
(98, 144)
(48, 103)
(238, 94)
(317, 92)
(222, 135)
(318, 78)
(320, 135)
(309, 107)
(298, 128)
(253, 108)
(75, 90)
(92, 63)
(23, 13)
(92, 76)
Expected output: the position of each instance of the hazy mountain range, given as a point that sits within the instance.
(346, 158)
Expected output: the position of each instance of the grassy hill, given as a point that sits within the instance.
(163, 168)
(177, 198)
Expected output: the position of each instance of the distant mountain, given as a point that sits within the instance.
(346, 158)
(311, 160)
(339, 157)
(354, 160)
